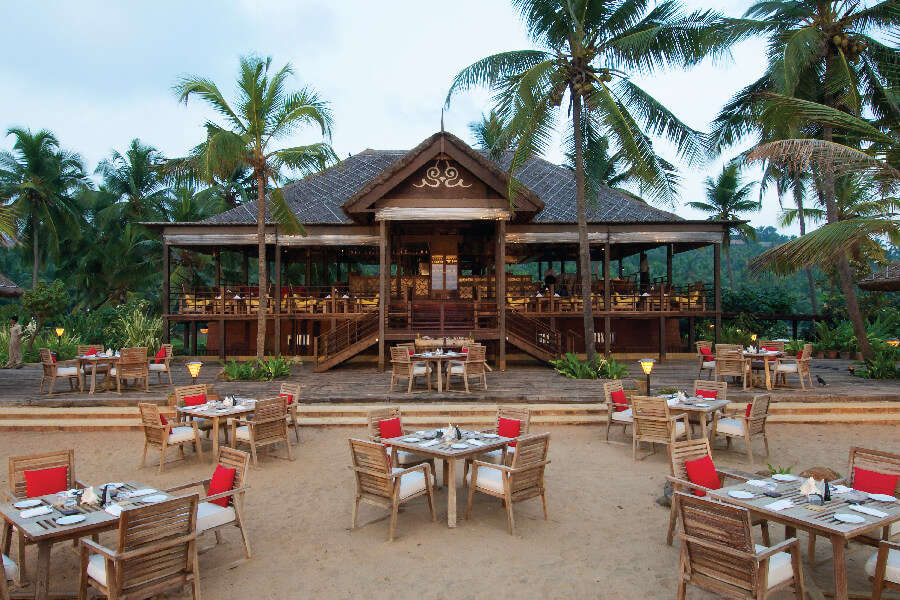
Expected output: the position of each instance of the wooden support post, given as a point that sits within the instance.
(794, 326)
(717, 285)
(193, 338)
(218, 260)
(501, 289)
(276, 308)
(662, 338)
(621, 272)
(607, 333)
(307, 280)
(186, 337)
(222, 339)
(669, 249)
(691, 334)
(245, 267)
(165, 292)
(383, 292)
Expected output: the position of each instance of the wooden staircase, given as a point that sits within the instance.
(533, 336)
(344, 341)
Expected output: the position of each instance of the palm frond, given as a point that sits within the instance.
(492, 69)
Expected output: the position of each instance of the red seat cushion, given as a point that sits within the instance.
(390, 428)
(702, 472)
(164, 421)
(91, 352)
(618, 400)
(874, 482)
(222, 481)
(749, 408)
(53, 356)
(290, 398)
(707, 354)
(411, 352)
(711, 394)
(465, 350)
(159, 356)
(509, 428)
(195, 400)
(46, 481)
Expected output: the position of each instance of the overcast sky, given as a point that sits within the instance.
(100, 73)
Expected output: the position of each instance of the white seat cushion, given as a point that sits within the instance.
(457, 369)
(623, 416)
(709, 365)
(419, 370)
(158, 367)
(112, 371)
(730, 426)
(406, 458)
(787, 368)
(490, 479)
(410, 483)
(892, 572)
(780, 569)
(242, 433)
(68, 372)
(679, 429)
(11, 568)
(181, 434)
(494, 456)
(96, 568)
(211, 515)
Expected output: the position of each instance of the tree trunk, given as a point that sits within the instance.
(801, 215)
(845, 276)
(730, 272)
(584, 249)
(34, 248)
(261, 251)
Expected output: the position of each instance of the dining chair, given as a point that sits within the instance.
(744, 424)
(9, 572)
(402, 367)
(47, 478)
(84, 349)
(472, 366)
(718, 553)
(379, 484)
(222, 503)
(194, 395)
(618, 410)
(381, 421)
(707, 358)
(132, 364)
(731, 363)
(521, 480)
(799, 366)
(266, 427)
(654, 424)
(291, 392)
(687, 451)
(160, 433)
(155, 553)
(160, 365)
(53, 369)
(883, 568)
(718, 388)
(510, 421)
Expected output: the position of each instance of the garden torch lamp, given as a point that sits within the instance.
(647, 367)
(194, 370)
(59, 333)
(893, 342)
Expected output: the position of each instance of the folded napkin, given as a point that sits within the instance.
(837, 488)
(867, 510)
(138, 493)
(35, 512)
(476, 442)
(779, 505)
(761, 483)
(90, 496)
(672, 401)
(114, 509)
(429, 443)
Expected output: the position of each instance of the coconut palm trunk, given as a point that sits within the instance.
(34, 247)
(584, 249)
(728, 264)
(261, 250)
(801, 215)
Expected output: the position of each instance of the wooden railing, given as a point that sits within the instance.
(341, 340)
(442, 315)
(535, 333)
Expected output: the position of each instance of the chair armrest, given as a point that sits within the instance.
(89, 543)
(184, 486)
(888, 545)
(156, 548)
(425, 467)
(730, 475)
(695, 486)
(379, 474)
(779, 547)
(227, 494)
(80, 485)
(242, 421)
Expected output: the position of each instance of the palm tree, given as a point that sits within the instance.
(264, 112)
(37, 178)
(589, 49)
(727, 196)
(492, 135)
(134, 179)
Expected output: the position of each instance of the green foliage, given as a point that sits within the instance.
(610, 369)
(667, 390)
(574, 368)
(257, 369)
(794, 347)
(882, 365)
(66, 347)
(134, 327)
(45, 301)
(779, 470)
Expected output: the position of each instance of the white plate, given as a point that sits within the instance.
(459, 446)
(882, 498)
(740, 494)
(70, 520)
(155, 498)
(490, 435)
(27, 503)
(847, 518)
(411, 439)
(784, 477)
(420, 433)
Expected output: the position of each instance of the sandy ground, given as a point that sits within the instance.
(605, 537)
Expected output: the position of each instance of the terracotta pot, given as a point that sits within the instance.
(832, 353)
(820, 354)
(845, 356)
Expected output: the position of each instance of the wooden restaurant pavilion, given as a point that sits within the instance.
(426, 242)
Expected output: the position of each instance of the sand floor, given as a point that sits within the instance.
(605, 537)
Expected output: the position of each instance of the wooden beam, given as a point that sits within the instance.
(193, 338)
(607, 329)
(717, 285)
(501, 289)
(384, 271)
(277, 299)
(222, 339)
(662, 338)
(669, 264)
(165, 293)
(245, 267)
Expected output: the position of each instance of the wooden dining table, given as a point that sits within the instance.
(215, 412)
(767, 358)
(438, 360)
(444, 451)
(44, 531)
(819, 520)
(703, 408)
(93, 361)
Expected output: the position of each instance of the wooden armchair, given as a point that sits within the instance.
(522, 480)
(184, 392)
(798, 366)
(164, 366)
(689, 450)
(503, 456)
(473, 366)
(267, 427)
(719, 387)
(160, 435)
(617, 413)
(654, 424)
(211, 515)
(291, 392)
(883, 568)
(132, 364)
(398, 457)
(402, 367)
(379, 484)
(744, 425)
(18, 489)
(156, 553)
(68, 369)
(731, 363)
(718, 553)
(706, 357)
(8, 572)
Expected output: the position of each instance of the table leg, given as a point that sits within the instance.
(440, 382)
(42, 584)
(840, 567)
(703, 429)
(768, 379)
(451, 493)
(5, 537)
(215, 438)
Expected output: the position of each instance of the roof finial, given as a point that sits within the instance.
(442, 119)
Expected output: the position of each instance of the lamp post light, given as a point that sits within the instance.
(194, 370)
(647, 367)
(893, 342)
(59, 333)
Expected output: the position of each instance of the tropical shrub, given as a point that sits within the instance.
(574, 368)
(43, 302)
(882, 365)
(138, 329)
(257, 369)
(610, 369)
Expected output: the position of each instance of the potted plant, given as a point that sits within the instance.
(794, 347)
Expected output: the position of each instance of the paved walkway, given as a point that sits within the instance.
(360, 382)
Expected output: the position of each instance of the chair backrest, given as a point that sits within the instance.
(730, 362)
(651, 418)
(771, 344)
(291, 389)
(47, 360)
(475, 356)
(409, 346)
(381, 414)
(706, 385)
(371, 456)
(268, 418)
(608, 388)
(84, 349)
(150, 417)
(186, 391)
(711, 532)
(703, 344)
(684, 451)
(132, 360)
(521, 414)
(166, 531)
(759, 412)
(530, 450)
(806, 353)
(727, 347)
(237, 460)
(33, 462)
(169, 350)
(874, 460)
(399, 355)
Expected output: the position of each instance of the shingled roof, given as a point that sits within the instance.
(318, 199)
(8, 289)
(887, 280)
